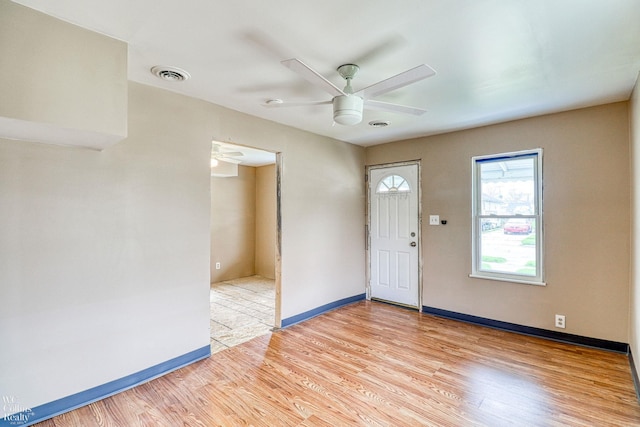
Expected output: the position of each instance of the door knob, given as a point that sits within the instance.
(413, 244)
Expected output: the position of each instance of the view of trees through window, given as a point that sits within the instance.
(507, 213)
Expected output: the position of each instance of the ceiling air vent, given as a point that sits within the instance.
(170, 74)
(379, 123)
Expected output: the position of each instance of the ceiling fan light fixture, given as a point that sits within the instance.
(347, 103)
(347, 109)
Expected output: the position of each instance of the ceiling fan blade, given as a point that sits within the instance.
(296, 104)
(232, 154)
(266, 44)
(393, 43)
(399, 80)
(312, 76)
(394, 108)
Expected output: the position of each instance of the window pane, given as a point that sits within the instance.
(393, 183)
(510, 248)
(507, 214)
(507, 187)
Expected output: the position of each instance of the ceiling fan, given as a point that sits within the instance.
(347, 104)
(217, 153)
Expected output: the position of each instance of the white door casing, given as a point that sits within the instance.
(394, 233)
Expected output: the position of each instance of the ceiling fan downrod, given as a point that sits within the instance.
(347, 109)
(348, 71)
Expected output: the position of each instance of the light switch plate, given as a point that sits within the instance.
(434, 219)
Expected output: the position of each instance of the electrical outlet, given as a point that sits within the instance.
(217, 266)
(434, 219)
(560, 321)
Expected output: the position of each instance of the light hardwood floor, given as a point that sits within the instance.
(376, 364)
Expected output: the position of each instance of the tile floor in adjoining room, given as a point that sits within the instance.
(241, 309)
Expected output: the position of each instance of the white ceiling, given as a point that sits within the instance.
(496, 60)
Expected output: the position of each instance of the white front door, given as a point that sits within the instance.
(394, 231)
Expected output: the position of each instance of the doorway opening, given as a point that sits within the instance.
(394, 230)
(244, 272)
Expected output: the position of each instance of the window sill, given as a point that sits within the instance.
(508, 279)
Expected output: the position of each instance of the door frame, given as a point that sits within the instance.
(278, 232)
(368, 184)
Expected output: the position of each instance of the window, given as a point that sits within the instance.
(507, 217)
(393, 184)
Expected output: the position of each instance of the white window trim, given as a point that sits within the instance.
(476, 272)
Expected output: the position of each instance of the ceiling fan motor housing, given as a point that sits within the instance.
(347, 109)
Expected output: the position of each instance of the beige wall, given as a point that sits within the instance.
(586, 205)
(265, 221)
(104, 259)
(233, 225)
(322, 209)
(243, 224)
(634, 300)
(104, 256)
(62, 90)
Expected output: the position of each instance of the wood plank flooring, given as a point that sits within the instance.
(378, 365)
